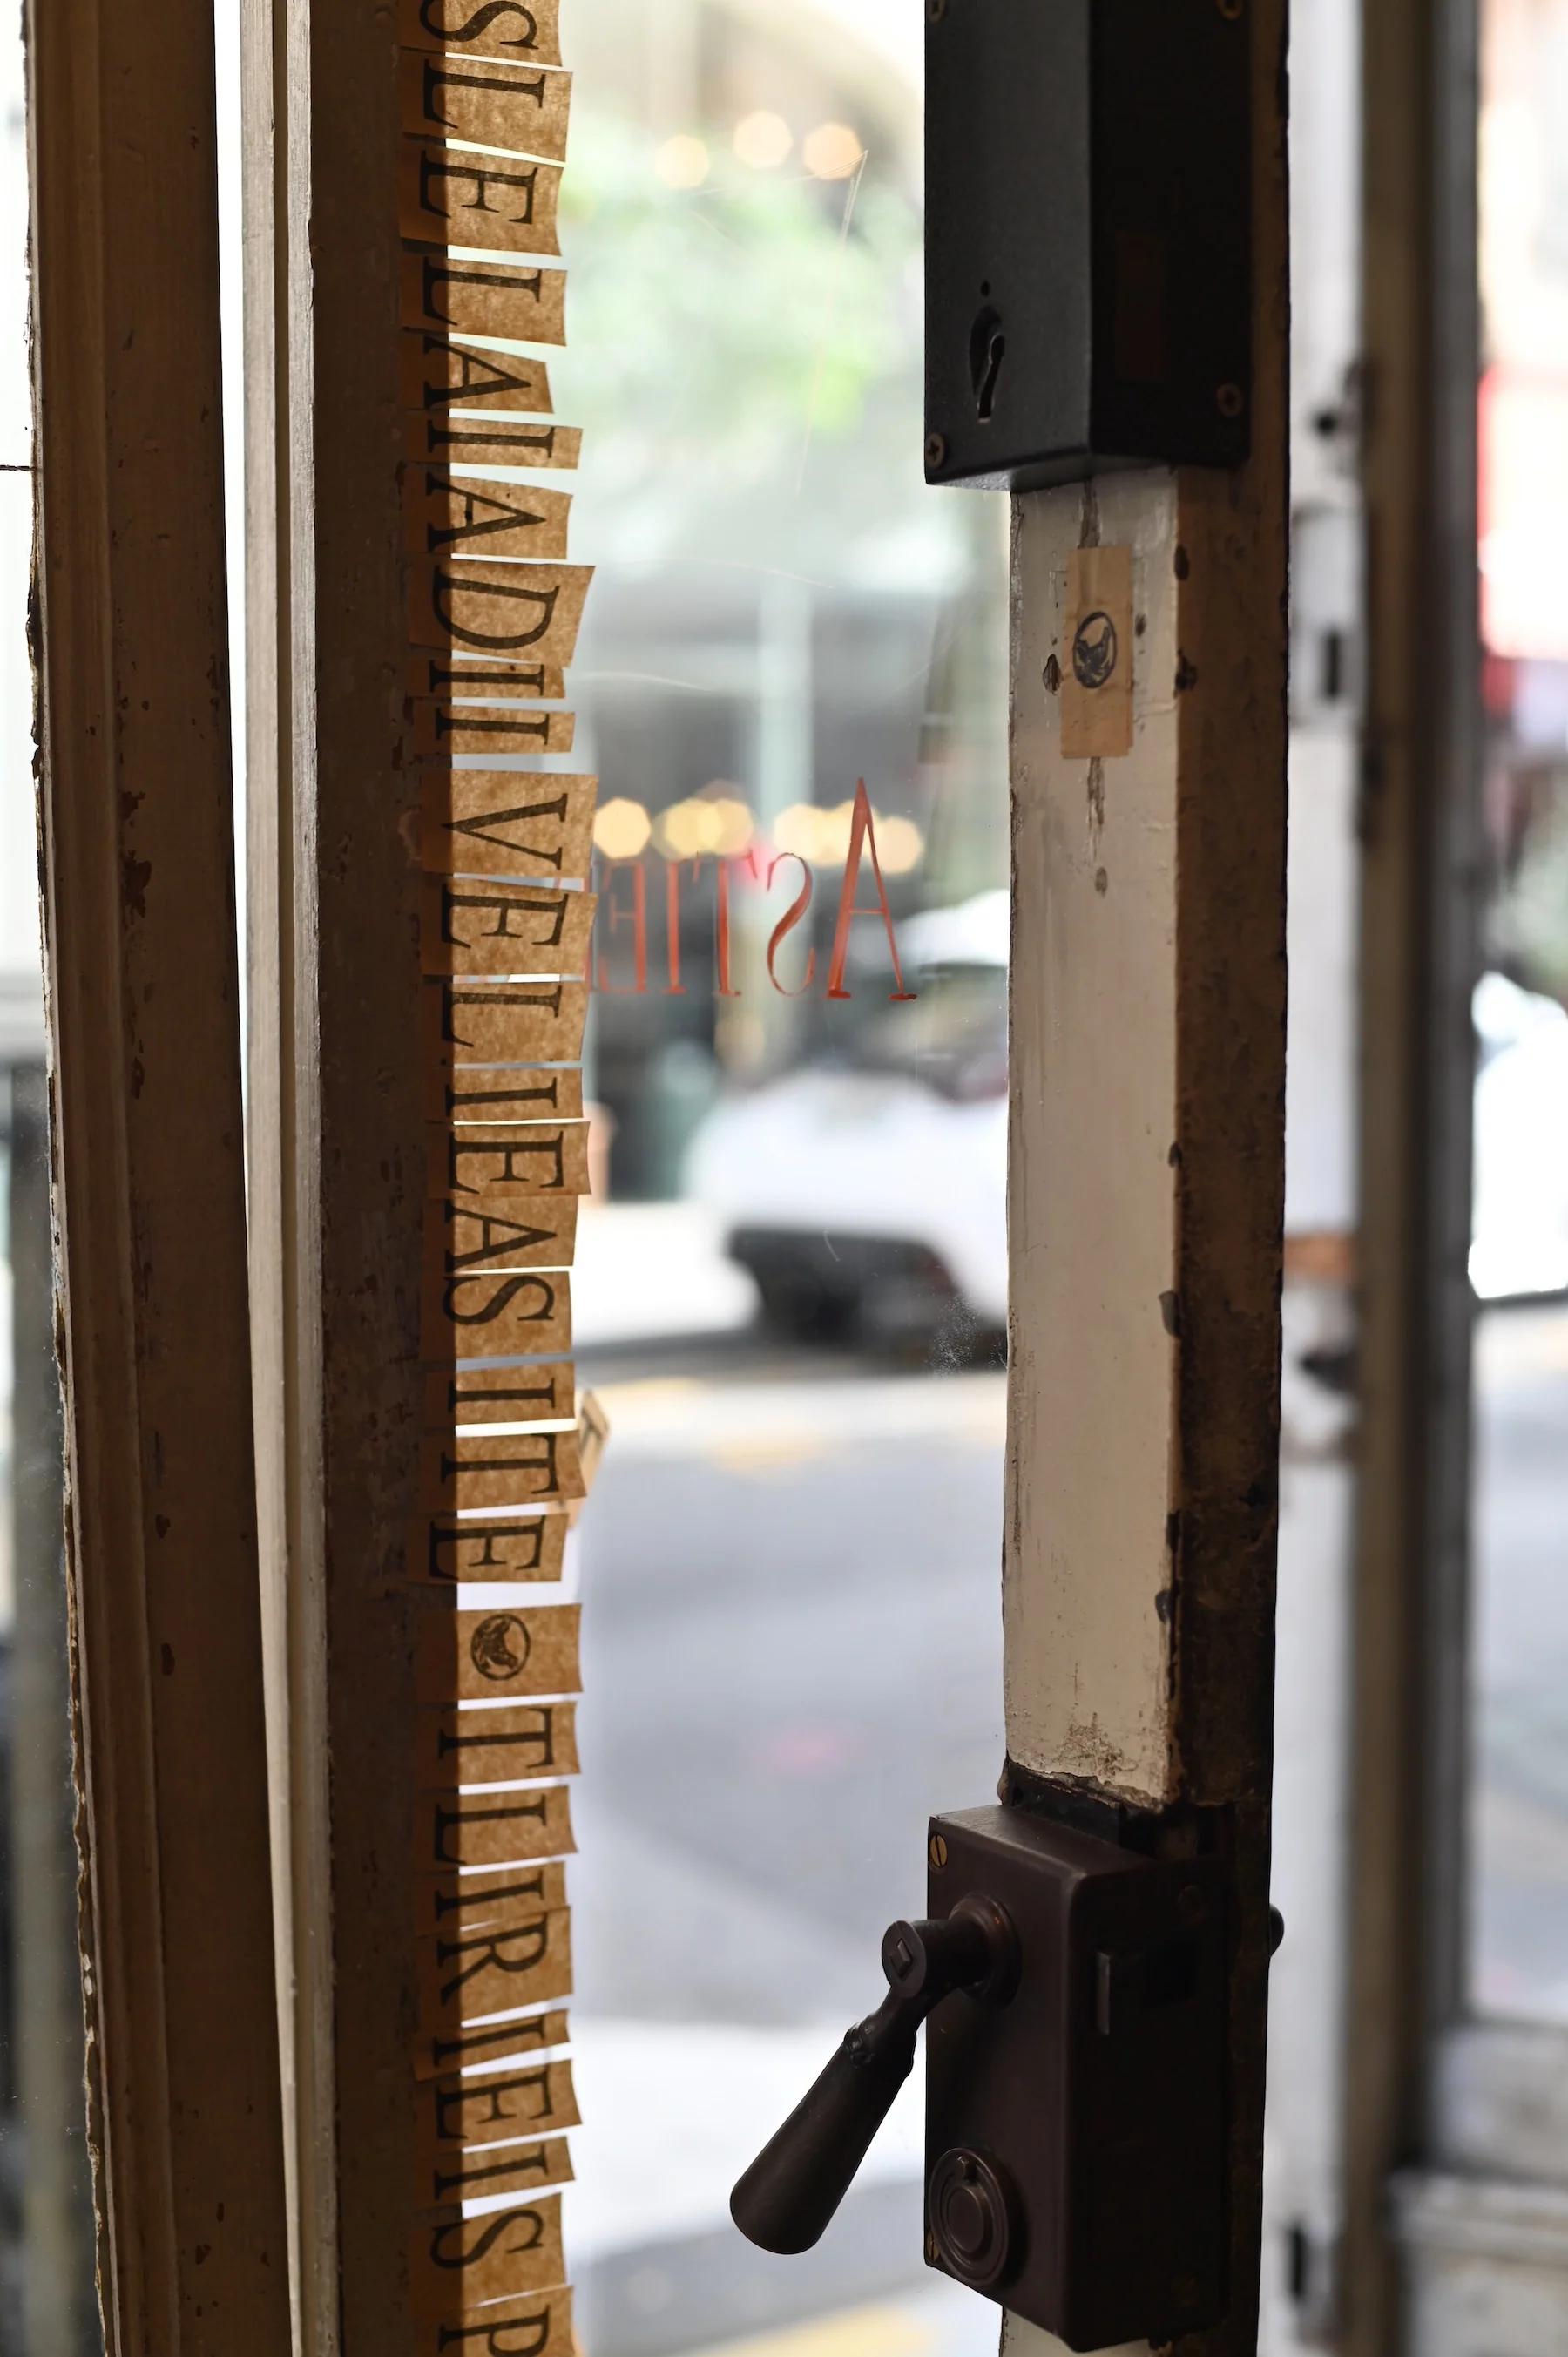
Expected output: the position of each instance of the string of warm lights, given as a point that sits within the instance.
(763, 140)
(718, 827)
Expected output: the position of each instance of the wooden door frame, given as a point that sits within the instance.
(1405, 1929)
(1458, 2134)
(1147, 1164)
(336, 1173)
(136, 817)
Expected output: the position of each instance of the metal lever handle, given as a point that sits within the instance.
(793, 2187)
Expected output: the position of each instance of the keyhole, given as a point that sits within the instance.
(987, 351)
(993, 360)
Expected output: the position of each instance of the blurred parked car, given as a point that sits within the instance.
(865, 1193)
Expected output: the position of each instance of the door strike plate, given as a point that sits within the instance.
(1076, 2135)
(1088, 237)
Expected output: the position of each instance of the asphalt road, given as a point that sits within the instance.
(794, 1651)
(793, 1656)
(790, 1581)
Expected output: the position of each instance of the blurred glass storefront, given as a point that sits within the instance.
(781, 609)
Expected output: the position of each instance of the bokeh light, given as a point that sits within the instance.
(621, 829)
(900, 845)
(681, 830)
(735, 827)
(704, 827)
(683, 162)
(821, 837)
(798, 829)
(833, 838)
(831, 151)
(763, 140)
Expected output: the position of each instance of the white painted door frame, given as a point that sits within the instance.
(1147, 1174)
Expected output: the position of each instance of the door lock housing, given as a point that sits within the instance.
(1088, 237)
(1076, 2138)
(1076, 1995)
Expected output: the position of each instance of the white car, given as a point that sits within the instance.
(866, 1194)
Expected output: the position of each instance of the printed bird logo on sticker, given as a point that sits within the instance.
(1094, 649)
(501, 1647)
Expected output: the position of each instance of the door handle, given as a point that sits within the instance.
(787, 2197)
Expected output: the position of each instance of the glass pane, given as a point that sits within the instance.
(791, 1288)
(1519, 1254)
(48, 2300)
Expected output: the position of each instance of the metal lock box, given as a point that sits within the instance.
(1087, 238)
(1076, 2131)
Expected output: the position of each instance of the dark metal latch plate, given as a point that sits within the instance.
(1087, 238)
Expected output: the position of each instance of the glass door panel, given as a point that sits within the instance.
(792, 1283)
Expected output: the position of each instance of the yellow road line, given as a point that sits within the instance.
(768, 1452)
(859, 2333)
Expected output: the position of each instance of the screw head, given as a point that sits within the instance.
(937, 1852)
(1192, 1903)
(1229, 400)
(935, 11)
(936, 451)
(1229, 9)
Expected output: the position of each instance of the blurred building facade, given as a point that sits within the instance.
(781, 609)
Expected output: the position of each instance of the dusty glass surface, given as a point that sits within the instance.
(48, 2304)
(1519, 1256)
(791, 1287)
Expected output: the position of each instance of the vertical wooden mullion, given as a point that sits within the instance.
(1146, 1192)
(346, 1228)
(136, 824)
(337, 1198)
(1422, 872)
(282, 1066)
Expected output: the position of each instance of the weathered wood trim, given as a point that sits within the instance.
(138, 822)
(1406, 1894)
(337, 1190)
(1092, 1208)
(1146, 1198)
(284, 1242)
